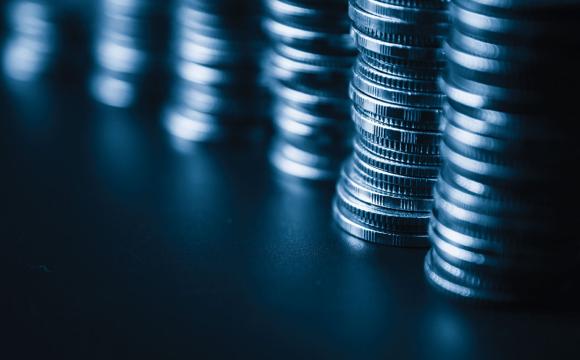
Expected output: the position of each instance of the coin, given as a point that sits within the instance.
(367, 233)
(413, 12)
(394, 95)
(395, 49)
(359, 189)
(386, 109)
(391, 29)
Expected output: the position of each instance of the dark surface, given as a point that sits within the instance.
(116, 244)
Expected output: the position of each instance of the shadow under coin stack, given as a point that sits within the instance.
(504, 223)
(308, 71)
(131, 52)
(385, 191)
(38, 44)
(217, 94)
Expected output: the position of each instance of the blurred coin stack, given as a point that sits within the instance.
(385, 191)
(503, 224)
(217, 92)
(308, 66)
(39, 40)
(130, 51)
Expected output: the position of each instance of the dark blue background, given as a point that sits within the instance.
(118, 242)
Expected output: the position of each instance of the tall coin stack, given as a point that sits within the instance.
(385, 191)
(131, 51)
(308, 70)
(217, 93)
(504, 221)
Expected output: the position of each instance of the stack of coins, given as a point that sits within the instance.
(130, 51)
(308, 70)
(217, 94)
(37, 43)
(385, 191)
(503, 226)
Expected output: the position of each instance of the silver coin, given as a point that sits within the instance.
(199, 127)
(427, 117)
(487, 171)
(311, 100)
(364, 68)
(397, 135)
(314, 57)
(427, 71)
(214, 76)
(302, 164)
(506, 265)
(396, 50)
(393, 167)
(395, 122)
(460, 290)
(369, 142)
(312, 136)
(515, 127)
(314, 15)
(321, 77)
(406, 11)
(405, 222)
(487, 219)
(394, 183)
(498, 245)
(329, 43)
(357, 187)
(396, 96)
(394, 30)
(367, 233)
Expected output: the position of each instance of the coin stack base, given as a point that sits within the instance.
(385, 191)
(502, 227)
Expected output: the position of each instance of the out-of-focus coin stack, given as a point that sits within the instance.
(38, 44)
(130, 52)
(504, 221)
(217, 94)
(385, 191)
(308, 71)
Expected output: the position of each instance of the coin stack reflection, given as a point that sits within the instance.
(217, 94)
(308, 70)
(385, 191)
(130, 52)
(503, 226)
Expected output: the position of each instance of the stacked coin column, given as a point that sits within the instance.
(217, 94)
(308, 70)
(385, 191)
(34, 48)
(131, 52)
(504, 223)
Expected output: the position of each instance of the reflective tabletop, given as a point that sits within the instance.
(120, 241)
